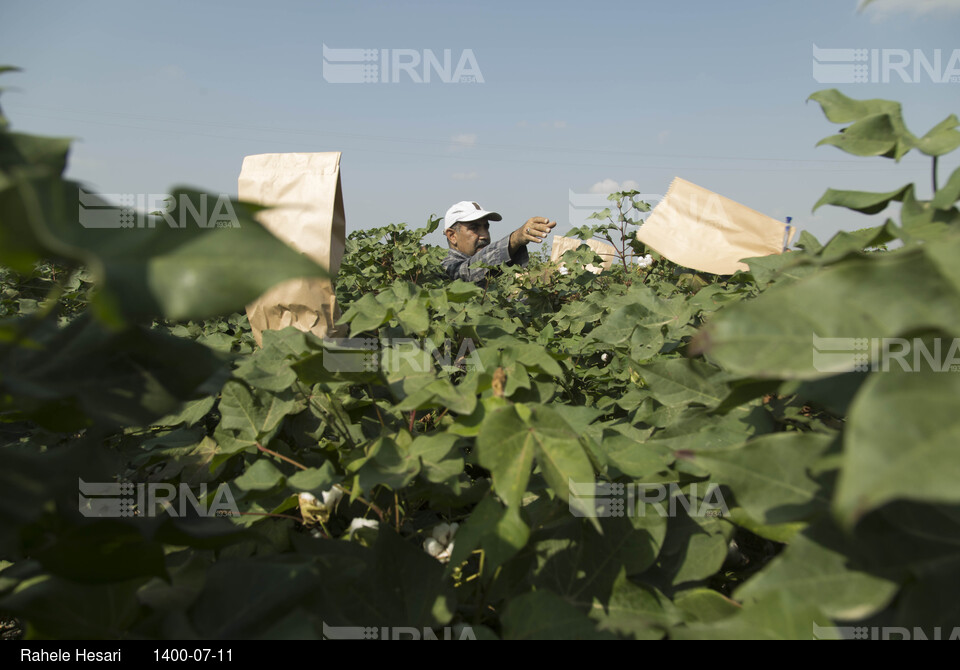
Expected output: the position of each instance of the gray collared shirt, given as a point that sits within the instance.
(460, 266)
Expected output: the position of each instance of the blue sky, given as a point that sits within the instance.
(576, 96)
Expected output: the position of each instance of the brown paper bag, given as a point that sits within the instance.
(699, 229)
(562, 245)
(304, 191)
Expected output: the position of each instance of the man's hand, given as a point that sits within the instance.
(535, 229)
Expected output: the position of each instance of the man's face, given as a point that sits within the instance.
(469, 237)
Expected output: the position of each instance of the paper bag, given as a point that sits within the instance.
(562, 245)
(699, 229)
(304, 191)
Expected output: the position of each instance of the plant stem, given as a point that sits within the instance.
(935, 174)
(281, 456)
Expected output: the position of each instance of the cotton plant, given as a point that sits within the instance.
(589, 266)
(645, 261)
(314, 510)
(440, 543)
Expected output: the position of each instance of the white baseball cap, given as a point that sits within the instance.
(468, 211)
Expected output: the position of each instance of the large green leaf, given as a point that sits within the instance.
(861, 201)
(877, 125)
(942, 138)
(251, 417)
(131, 377)
(543, 615)
(242, 597)
(771, 476)
(779, 333)
(178, 270)
(901, 441)
(507, 445)
(639, 611)
(776, 616)
(679, 381)
(815, 569)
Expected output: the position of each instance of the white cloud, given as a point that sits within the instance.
(463, 141)
(663, 136)
(883, 9)
(612, 186)
(559, 124)
(464, 176)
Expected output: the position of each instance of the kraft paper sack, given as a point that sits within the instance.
(562, 245)
(304, 191)
(699, 229)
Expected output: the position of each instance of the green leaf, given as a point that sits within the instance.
(191, 413)
(872, 136)
(779, 334)
(705, 605)
(679, 381)
(131, 377)
(251, 417)
(815, 569)
(506, 448)
(771, 475)
(498, 530)
(559, 452)
(776, 616)
(695, 547)
(942, 138)
(261, 476)
(861, 201)
(543, 615)
(242, 597)
(175, 269)
(60, 609)
(635, 610)
(877, 130)
(949, 193)
(314, 480)
(389, 462)
(901, 441)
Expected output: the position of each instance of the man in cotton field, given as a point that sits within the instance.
(467, 228)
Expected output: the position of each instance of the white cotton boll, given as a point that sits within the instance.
(444, 532)
(440, 544)
(308, 499)
(433, 547)
(605, 357)
(447, 553)
(332, 497)
(357, 524)
(563, 270)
